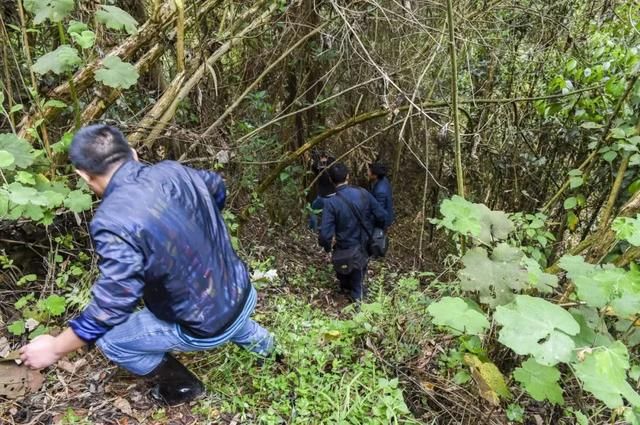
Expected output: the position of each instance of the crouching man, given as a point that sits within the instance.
(161, 238)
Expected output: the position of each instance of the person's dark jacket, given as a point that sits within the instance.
(325, 186)
(338, 220)
(161, 238)
(381, 190)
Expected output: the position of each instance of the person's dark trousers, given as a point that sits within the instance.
(316, 204)
(354, 283)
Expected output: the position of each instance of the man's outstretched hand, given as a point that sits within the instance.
(41, 352)
(45, 350)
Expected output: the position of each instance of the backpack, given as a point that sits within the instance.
(377, 241)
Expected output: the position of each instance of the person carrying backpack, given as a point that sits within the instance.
(348, 220)
(161, 239)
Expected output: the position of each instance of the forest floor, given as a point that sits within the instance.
(378, 364)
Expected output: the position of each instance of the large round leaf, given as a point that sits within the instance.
(531, 325)
(117, 74)
(64, 59)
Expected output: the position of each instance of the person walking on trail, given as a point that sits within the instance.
(161, 238)
(381, 189)
(348, 218)
(324, 186)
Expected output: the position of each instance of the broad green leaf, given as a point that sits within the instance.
(34, 212)
(529, 320)
(17, 328)
(6, 159)
(55, 304)
(64, 59)
(575, 182)
(84, 39)
(115, 18)
(570, 203)
(495, 225)
(601, 286)
(25, 178)
(572, 221)
(21, 151)
(475, 220)
(618, 133)
(515, 413)
(54, 103)
(603, 372)
(24, 195)
(63, 144)
(78, 201)
(462, 377)
(117, 74)
(581, 418)
(54, 199)
(76, 26)
(460, 215)
(4, 205)
(593, 329)
(590, 125)
(609, 156)
(538, 279)
(53, 10)
(496, 277)
(627, 228)
(458, 315)
(490, 381)
(541, 382)
(632, 416)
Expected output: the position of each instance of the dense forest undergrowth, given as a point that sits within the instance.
(511, 293)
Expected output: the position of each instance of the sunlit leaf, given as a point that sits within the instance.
(53, 10)
(117, 74)
(21, 151)
(115, 18)
(534, 326)
(541, 382)
(458, 316)
(603, 373)
(64, 59)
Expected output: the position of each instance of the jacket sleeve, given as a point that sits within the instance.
(327, 227)
(118, 289)
(379, 214)
(216, 186)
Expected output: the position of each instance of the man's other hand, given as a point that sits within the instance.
(41, 352)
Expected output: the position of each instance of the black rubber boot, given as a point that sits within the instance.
(173, 383)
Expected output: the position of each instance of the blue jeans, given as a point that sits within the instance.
(140, 343)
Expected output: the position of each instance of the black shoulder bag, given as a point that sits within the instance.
(377, 241)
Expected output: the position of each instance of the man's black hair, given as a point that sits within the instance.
(338, 173)
(97, 147)
(378, 169)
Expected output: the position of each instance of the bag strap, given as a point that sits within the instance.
(355, 213)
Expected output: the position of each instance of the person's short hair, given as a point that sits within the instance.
(378, 169)
(95, 148)
(338, 173)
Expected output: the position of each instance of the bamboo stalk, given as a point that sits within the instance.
(180, 35)
(454, 100)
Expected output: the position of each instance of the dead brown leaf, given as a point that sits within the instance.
(123, 405)
(71, 368)
(16, 381)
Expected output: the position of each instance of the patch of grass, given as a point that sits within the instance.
(328, 375)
